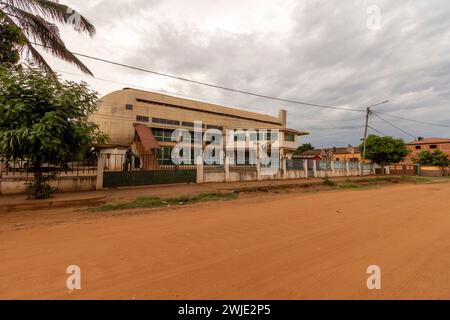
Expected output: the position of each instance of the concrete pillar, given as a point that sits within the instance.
(361, 168)
(347, 169)
(227, 169)
(200, 173)
(374, 169)
(1, 175)
(100, 171)
(315, 168)
(333, 169)
(305, 168)
(283, 168)
(258, 168)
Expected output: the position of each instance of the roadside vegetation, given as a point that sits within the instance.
(44, 122)
(326, 185)
(153, 202)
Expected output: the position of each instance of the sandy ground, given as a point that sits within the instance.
(266, 246)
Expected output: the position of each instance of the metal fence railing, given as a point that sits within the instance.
(353, 165)
(339, 165)
(24, 169)
(323, 165)
(295, 164)
(148, 162)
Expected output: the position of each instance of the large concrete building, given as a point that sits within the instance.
(145, 121)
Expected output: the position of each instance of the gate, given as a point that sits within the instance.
(403, 170)
(140, 173)
(310, 164)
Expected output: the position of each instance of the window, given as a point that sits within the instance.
(289, 137)
(239, 137)
(166, 121)
(129, 107)
(164, 156)
(418, 147)
(162, 134)
(142, 119)
(197, 137)
(187, 124)
(214, 127)
(433, 146)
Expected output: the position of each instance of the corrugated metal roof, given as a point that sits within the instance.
(146, 136)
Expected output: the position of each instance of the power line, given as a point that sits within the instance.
(376, 130)
(247, 92)
(334, 128)
(393, 125)
(417, 121)
(187, 96)
(207, 84)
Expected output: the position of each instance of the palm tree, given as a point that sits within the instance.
(36, 20)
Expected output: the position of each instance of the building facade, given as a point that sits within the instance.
(145, 122)
(429, 144)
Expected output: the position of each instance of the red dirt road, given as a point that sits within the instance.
(294, 246)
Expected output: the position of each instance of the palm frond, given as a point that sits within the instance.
(36, 56)
(54, 11)
(36, 29)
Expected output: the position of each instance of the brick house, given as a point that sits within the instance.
(349, 153)
(429, 144)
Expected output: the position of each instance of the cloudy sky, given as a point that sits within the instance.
(348, 54)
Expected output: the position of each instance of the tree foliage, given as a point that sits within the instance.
(36, 22)
(10, 43)
(437, 158)
(44, 120)
(385, 150)
(303, 148)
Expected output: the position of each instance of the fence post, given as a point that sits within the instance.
(100, 171)
(360, 168)
(200, 173)
(333, 169)
(227, 169)
(283, 168)
(315, 168)
(305, 168)
(1, 177)
(347, 169)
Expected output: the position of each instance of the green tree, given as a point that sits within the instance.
(10, 43)
(35, 21)
(385, 150)
(45, 121)
(437, 158)
(303, 148)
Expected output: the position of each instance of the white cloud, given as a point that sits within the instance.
(319, 51)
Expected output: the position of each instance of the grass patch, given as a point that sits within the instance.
(154, 202)
(348, 185)
(329, 183)
(419, 179)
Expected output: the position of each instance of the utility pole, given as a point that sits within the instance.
(365, 133)
(365, 136)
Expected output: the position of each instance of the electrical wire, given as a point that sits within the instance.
(393, 125)
(207, 84)
(416, 121)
